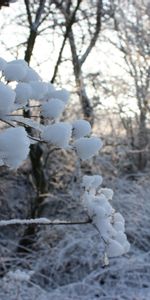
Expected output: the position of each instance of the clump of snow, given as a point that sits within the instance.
(118, 218)
(20, 275)
(50, 91)
(39, 89)
(14, 146)
(87, 147)
(31, 75)
(91, 182)
(108, 193)
(15, 70)
(62, 94)
(7, 98)
(23, 93)
(81, 128)
(57, 134)
(53, 108)
(3, 64)
(114, 248)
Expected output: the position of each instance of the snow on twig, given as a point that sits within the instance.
(41, 221)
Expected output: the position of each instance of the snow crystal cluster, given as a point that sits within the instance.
(109, 223)
(51, 103)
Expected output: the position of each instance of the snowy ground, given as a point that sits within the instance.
(66, 262)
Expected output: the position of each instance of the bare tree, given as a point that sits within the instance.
(89, 13)
(132, 24)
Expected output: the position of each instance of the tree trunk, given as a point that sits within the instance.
(81, 90)
(142, 141)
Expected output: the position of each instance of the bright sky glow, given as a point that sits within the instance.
(104, 58)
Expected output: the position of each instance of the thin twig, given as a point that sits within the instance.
(41, 221)
(7, 122)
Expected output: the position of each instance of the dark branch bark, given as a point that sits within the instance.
(96, 32)
(30, 45)
(84, 100)
(28, 12)
(70, 22)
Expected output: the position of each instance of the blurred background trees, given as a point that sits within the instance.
(99, 50)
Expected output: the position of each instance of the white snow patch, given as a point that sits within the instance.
(87, 147)
(7, 98)
(81, 128)
(14, 146)
(57, 134)
(53, 108)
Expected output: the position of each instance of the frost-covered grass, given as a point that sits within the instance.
(66, 262)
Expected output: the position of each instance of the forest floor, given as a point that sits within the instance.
(65, 262)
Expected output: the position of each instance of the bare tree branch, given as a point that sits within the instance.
(68, 28)
(96, 32)
(28, 13)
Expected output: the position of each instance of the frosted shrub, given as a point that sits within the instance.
(15, 143)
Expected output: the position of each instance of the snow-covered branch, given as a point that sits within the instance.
(41, 221)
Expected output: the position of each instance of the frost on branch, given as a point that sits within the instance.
(110, 224)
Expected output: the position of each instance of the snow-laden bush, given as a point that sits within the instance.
(110, 224)
(15, 143)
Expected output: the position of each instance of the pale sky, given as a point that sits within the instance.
(104, 57)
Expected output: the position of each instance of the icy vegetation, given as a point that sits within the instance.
(88, 259)
(67, 262)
